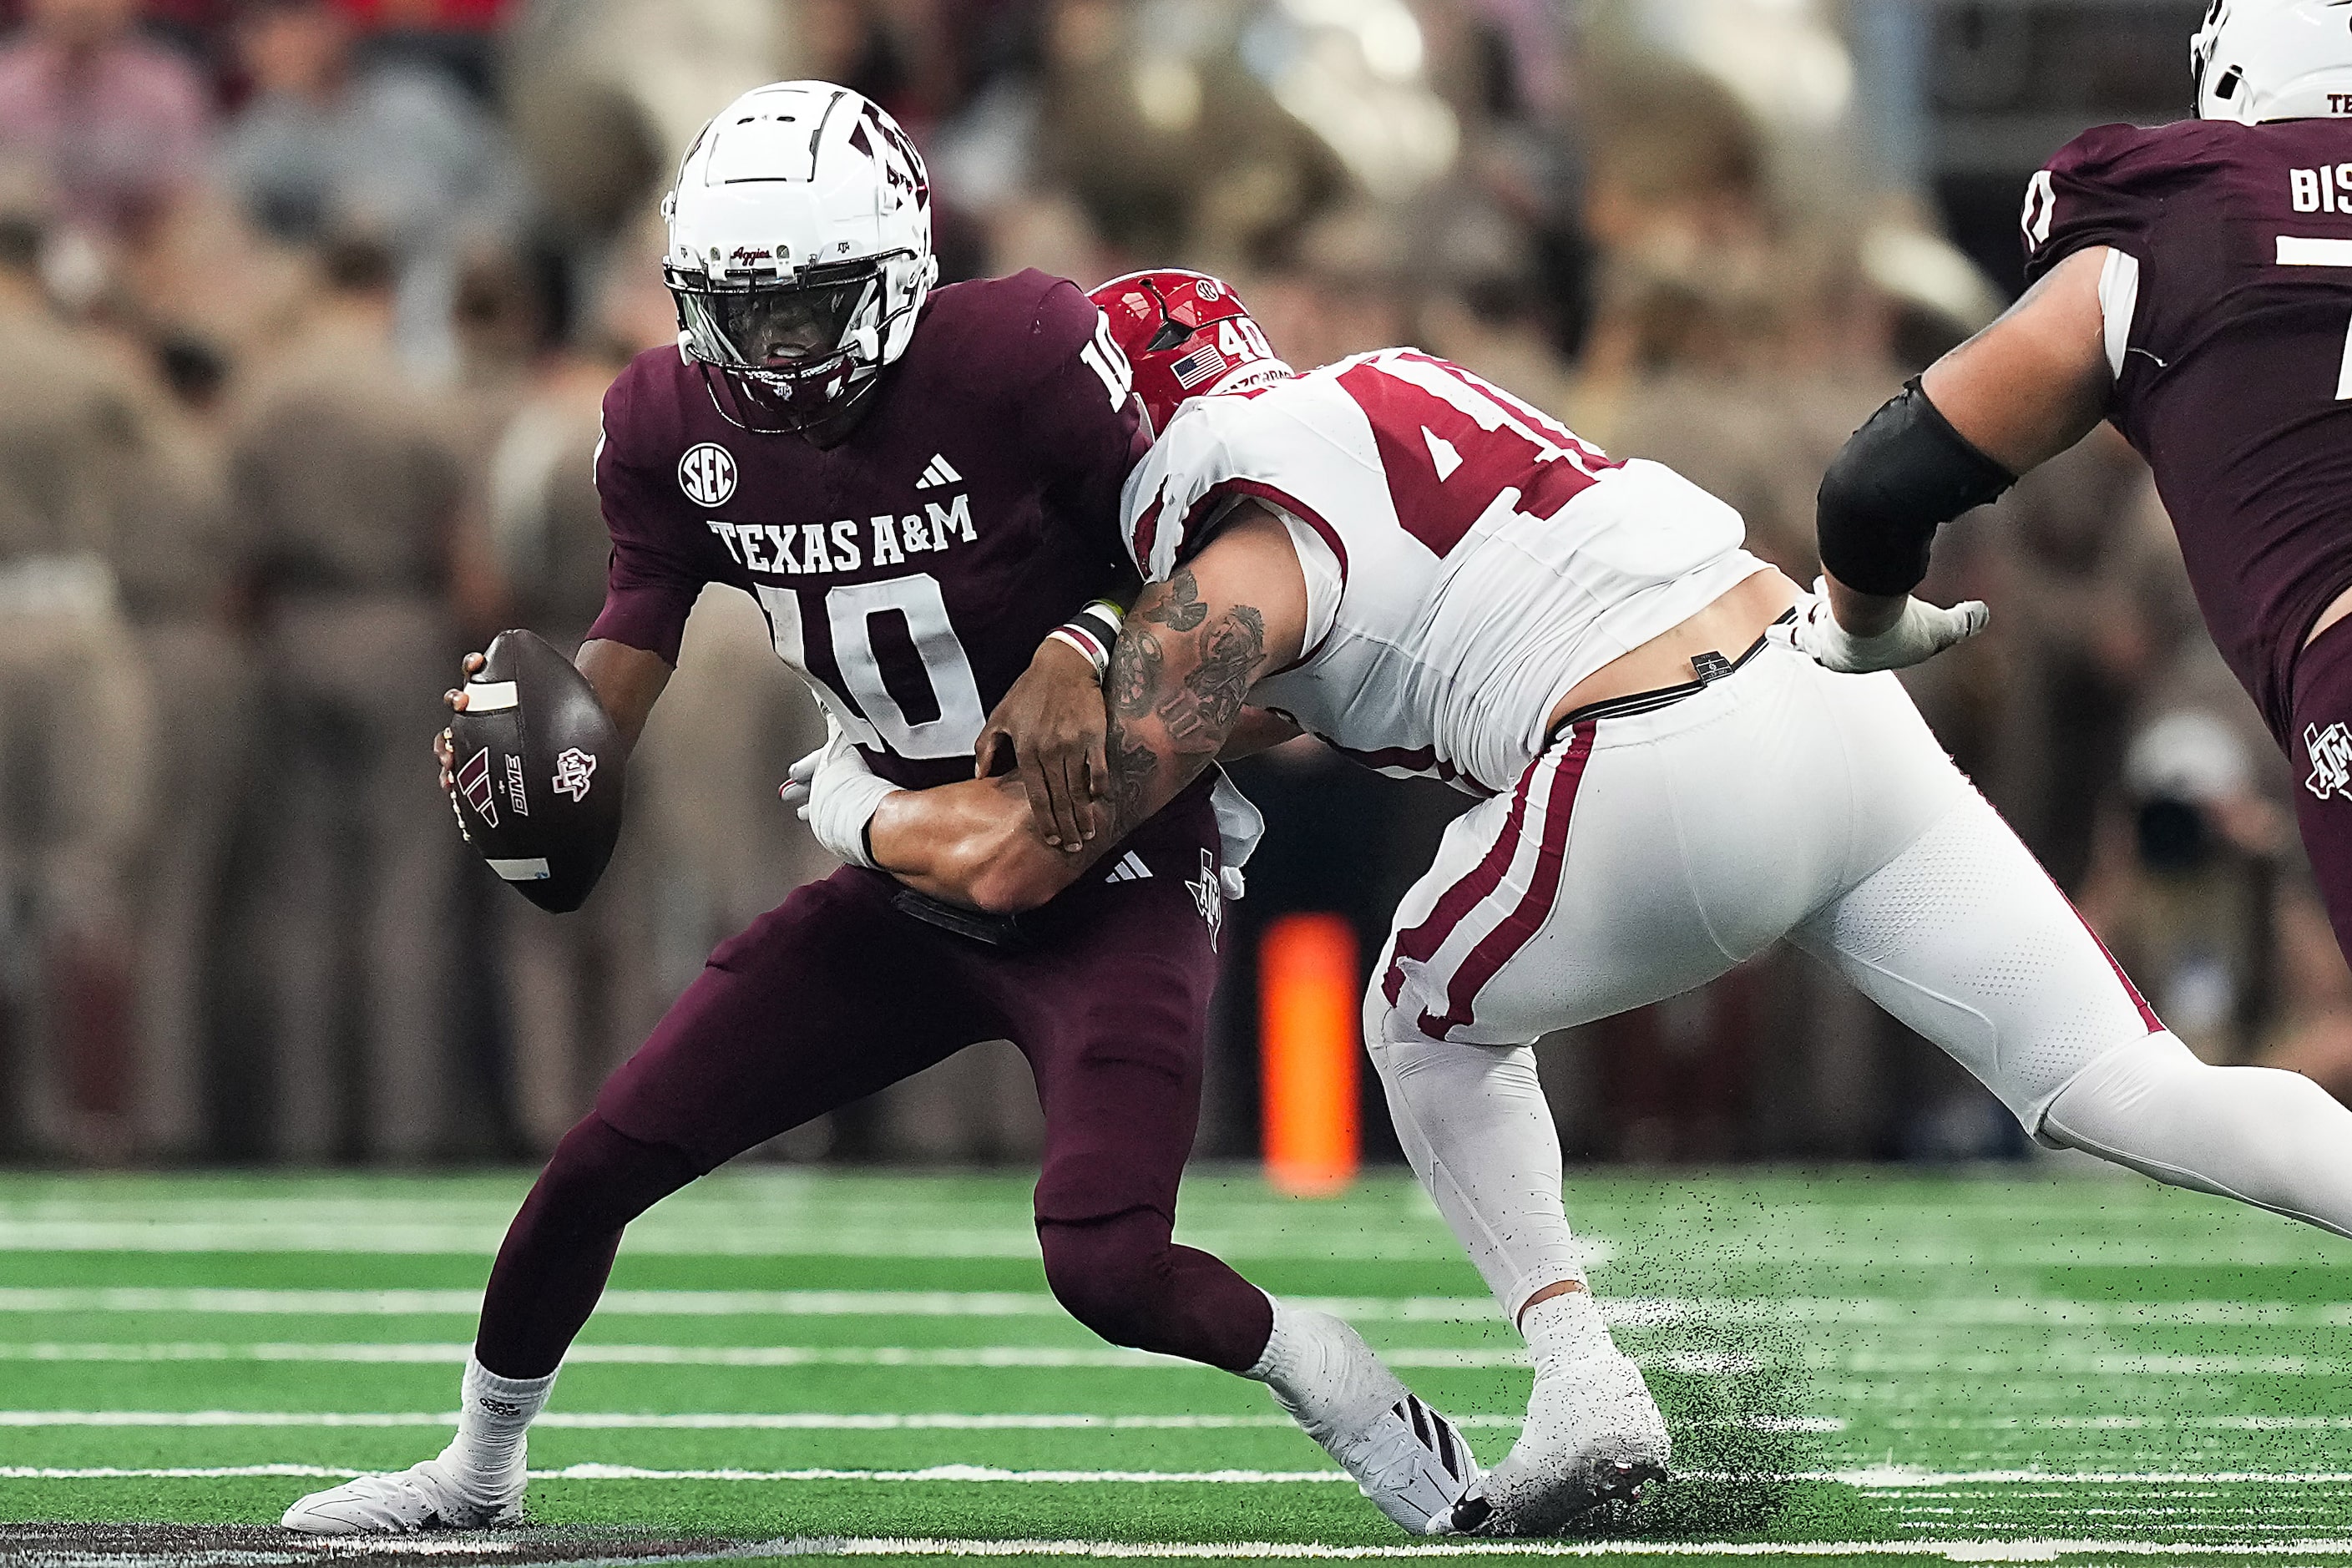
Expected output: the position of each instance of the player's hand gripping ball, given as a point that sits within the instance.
(537, 769)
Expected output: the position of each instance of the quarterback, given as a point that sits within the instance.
(2193, 284)
(1395, 555)
(917, 485)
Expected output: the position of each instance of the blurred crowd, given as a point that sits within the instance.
(305, 308)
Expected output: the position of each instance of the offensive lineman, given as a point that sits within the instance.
(2193, 283)
(915, 486)
(1439, 580)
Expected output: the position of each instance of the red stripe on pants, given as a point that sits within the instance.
(1421, 942)
(2147, 1014)
(1499, 946)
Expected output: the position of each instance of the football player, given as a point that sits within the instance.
(916, 485)
(2192, 283)
(1401, 558)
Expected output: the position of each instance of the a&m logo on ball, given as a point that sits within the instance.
(573, 769)
(707, 474)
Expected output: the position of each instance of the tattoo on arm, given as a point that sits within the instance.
(1202, 713)
(1183, 609)
(1160, 725)
(1133, 766)
(1135, 661)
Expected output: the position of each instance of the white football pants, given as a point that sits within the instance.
(1642, 855)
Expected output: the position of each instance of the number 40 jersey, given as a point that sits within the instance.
(1467, 559)
(2227, 294)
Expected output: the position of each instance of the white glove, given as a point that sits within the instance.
(834, 792)
(1922, 632)
(1240, 825)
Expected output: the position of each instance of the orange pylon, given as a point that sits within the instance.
(1309, 1020)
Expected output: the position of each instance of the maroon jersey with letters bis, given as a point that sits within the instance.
(911, 571)
(2235, 343)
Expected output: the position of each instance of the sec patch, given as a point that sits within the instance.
(707, 474)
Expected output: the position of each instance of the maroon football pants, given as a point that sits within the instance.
(834, 994)
(2320, 747)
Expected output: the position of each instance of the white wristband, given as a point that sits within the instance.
(1093, 652)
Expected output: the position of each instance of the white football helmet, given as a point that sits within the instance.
(2274, 60)
(800, 248)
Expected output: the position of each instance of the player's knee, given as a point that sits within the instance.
(1110, 1275)
(2245, 1131)
(600, 1178)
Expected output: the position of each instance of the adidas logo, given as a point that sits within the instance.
(1131, 868)
(937, 472)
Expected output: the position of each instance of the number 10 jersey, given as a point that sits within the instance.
(910, 571)
(1467, 559)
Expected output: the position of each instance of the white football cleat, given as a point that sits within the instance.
(1412, 1462)
(426, 1496)
(1594, 1434)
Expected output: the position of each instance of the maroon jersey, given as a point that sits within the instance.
(911, 571)
(2235, 366)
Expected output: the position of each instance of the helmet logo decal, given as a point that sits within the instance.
(707, 474)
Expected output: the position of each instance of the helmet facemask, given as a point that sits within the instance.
(801, 349)
(2203, 45)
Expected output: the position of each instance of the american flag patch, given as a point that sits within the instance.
(1198, 366)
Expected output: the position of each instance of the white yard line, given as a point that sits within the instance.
(957, 1474)
(454, 1353)
(757, 1235)
(674, 1303)
(767, 1421)
(332, 1550)
(372, 1549)
(630, 1421)
(2052, 1361)
(1883, 1478)
(1950, 1551)
(1625, 1312)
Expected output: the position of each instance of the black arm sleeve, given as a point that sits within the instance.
(1906, 473)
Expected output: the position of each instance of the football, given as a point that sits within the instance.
(539, 771)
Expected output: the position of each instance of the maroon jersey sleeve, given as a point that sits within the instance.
(2103, 188)
(1077, 416)
(657, 570)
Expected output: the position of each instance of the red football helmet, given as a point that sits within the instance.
(1186, 334)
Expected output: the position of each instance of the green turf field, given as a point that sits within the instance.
(1857, 1365)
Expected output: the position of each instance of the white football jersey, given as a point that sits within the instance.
(1467, 559)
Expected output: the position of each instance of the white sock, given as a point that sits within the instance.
(1321, 1370)
(493, 1414)
(1567, 1328)
(1279, 1352)
(2264, 1137)
(1475, 1123)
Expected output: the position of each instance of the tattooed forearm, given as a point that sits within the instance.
(1181, 610)
(1133, 767)
(1135, 661)
(1175, 694)
(1230, 650)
